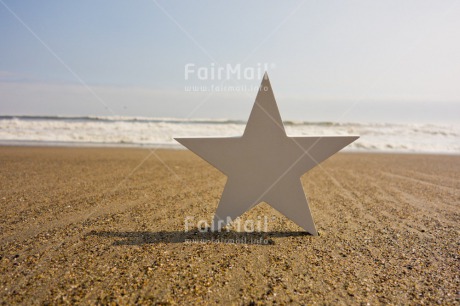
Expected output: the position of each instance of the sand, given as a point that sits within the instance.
(87, 225)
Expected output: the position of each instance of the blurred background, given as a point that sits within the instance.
(105, 67)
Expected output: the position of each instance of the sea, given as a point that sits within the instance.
(114, 131)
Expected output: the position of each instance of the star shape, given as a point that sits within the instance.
(265, 165)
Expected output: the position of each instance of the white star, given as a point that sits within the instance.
(265, 165)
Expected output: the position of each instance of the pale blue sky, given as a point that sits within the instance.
(328, 60)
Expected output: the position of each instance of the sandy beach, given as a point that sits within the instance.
(91, 225)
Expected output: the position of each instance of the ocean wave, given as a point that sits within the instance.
(122, 119)
(145, 131)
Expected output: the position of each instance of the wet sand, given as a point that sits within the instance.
(88, 225)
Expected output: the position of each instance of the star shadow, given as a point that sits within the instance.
(194, 237)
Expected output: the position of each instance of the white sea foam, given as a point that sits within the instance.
(139, 131)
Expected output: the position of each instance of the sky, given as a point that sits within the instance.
(364, 61)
